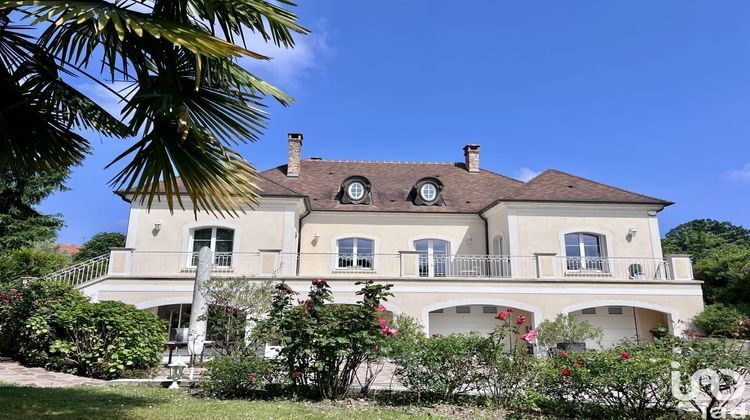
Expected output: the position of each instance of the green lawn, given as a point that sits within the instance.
(143, 402)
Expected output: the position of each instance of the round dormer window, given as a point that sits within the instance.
(355, 190)
(428, 192)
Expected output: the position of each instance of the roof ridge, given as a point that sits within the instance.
(380, 161)
(524, 184)
(607, 185)
(502, 175)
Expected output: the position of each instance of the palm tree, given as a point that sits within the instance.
(188, 102)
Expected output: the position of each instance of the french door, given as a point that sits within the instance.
(433, 257)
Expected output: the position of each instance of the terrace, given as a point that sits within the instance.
(129, 263)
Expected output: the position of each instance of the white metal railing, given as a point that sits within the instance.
(82, 272)
(407, 264)
(613, 267)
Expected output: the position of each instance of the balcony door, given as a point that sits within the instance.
(220, 241)
(433, 257)
(585, 252)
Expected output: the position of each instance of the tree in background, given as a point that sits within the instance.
(21, 225)
(721, 258)
(186, 100)
(99, 244)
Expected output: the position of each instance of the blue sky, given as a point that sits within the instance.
(649, 96)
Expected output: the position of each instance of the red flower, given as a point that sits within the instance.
(389, 331)
(563, 381)
(565, 372)
(319, 283)
(250, 376)
(578, 363)
(296, 374)
(383, 322)
(624, 355)
(502, 316)
(520, 320)
(529, 337)
(564, 355)
(381, 308)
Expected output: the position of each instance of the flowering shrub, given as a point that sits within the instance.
(629, 382)
(322, 344)
(567, 329)
(506, 368)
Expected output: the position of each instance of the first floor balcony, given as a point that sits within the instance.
(406, 264)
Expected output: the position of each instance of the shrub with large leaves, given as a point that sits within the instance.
(104, 339)
(53, 325)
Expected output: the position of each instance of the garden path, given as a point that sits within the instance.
(12, 372)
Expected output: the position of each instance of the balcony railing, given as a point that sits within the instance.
(406, 264)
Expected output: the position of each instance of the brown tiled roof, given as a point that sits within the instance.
(392, 182)
(463, 192)
(553, 185)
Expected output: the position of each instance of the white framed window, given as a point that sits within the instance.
(356, 190)
(355, 253)
(428, 191)
(433, 257)
(219, 240)
(586, 251)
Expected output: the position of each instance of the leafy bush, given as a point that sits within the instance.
(441, 367)
(721, 320)
(567, 329)
(233, 301)
(623, 382)
(31, 327)
(99, 244)
(53, 325)
(323, 345)
(243, 374)
(28, 262)
(104, 339)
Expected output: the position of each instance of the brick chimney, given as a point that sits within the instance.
(295, 155)
(471, 157)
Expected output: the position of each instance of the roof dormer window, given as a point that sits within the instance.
(355, 190)
(427, 192)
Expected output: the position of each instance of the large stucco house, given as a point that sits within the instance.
(457, 241)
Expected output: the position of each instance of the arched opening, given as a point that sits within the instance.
(622, 322)
(479, 318)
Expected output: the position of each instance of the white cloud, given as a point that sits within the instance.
(525, 174)
(742, 174)
(288, 66)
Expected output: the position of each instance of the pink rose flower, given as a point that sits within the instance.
(502, 316)
(520, 320)
(529, 337)
(381, 308)
(250, 376)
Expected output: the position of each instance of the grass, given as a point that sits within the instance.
(145, 402)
